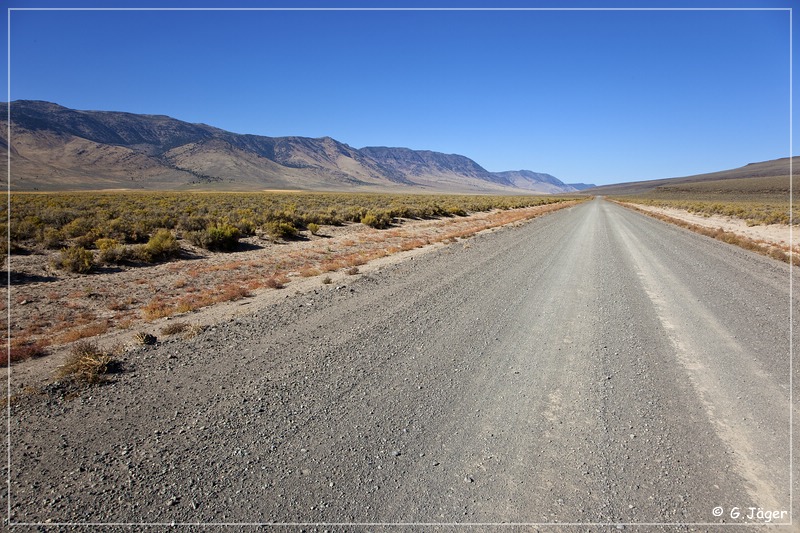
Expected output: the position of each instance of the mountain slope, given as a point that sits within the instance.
(53, 147)
(766, 169)
(535, 181)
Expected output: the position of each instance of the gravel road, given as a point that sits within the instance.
(593, 366)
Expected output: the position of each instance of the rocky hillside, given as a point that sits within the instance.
(56, 148)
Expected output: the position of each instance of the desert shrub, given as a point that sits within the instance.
(111, 251)
(156, 308)
(193, 331)
(22, 350)
(87, 364)
(281, 230)
(278, 281)
(173, 328)
(50, 238)
(86, 240)
(27, 228)
(134, 230)
(217, 237)
(313, 228)
(144, 339)
(162, 246)
(77, 227)
(193, 223)
(3, 242)
(75, 259)
(106, 243)
(456, 211)
(380, 220)
(59, 217)
(246, 226)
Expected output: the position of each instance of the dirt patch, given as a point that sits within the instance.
(51, 310)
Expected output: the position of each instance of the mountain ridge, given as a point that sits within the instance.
(780, 167)
(55, 148)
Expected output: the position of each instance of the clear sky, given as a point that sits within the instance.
(590, 95)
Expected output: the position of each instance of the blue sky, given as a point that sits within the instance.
(592, 96)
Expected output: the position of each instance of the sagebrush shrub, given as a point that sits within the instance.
(281, 230)
(223, 237)
(87, 364)
(51, 238)
(75, 259)
(377, 220)
(217, 237)
(162, 246)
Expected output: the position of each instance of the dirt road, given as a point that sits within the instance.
(593, 366)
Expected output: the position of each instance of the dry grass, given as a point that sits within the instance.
(752, 212)
(772, 250)
(193, 331)
(87, 364)
(173, 328)
(309, 271)
(92, 330)
(21, 350)
(277, 281)
(157, 308)
(144, 339)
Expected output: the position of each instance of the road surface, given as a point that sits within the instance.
(593, 366)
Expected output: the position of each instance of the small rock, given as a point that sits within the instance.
(468, 479)
(396, 453)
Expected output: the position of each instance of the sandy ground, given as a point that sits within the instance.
(777, 234)
(54, 310)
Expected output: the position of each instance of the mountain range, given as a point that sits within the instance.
(57, 148)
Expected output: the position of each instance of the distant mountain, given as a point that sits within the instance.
(56, 148)
(776, 168)
(581, 186)
(536, 181)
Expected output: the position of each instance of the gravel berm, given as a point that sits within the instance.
(592, 369)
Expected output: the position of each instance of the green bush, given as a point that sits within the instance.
(3, 244)
(223, 237)
(281, 230)
(217, 237)
(162, 246)
(380, 220)
(27, 228)
(78, 227)
(193, 223)
(313, 228)
(111, 251)
(75, 259)
(456, 211)
(51, 238)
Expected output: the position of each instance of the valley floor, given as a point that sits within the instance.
(51, 310)
(588, 369)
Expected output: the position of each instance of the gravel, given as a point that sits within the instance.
(591, 366)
